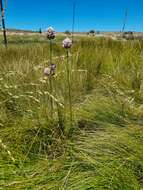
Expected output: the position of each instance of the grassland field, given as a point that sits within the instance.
(103, 148)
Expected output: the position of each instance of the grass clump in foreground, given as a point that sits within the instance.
(105, 148)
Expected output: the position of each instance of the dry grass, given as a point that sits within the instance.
(104, 150)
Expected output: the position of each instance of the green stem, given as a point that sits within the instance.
(51, 84)
(69, 88)
(60, 118)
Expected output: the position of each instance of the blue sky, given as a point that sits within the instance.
(105, 15)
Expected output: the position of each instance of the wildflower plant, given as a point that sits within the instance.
(67, 44)
(50, 71)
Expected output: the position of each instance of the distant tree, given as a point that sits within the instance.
(67, 32)
(92, 32)
(98, 32)
(128, 35)
(40, 31)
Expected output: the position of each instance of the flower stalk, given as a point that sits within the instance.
(69, 87)
(50, 82)
(67, 44)
(51, 35)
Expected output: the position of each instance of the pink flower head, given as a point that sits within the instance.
(51, 33)
(53, 68)
(47, 71)
(67, 43)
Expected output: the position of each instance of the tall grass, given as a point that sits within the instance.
(105, 149)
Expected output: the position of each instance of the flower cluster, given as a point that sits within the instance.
(53, 68)
(50, 71)
(51, 33)
(67, 43)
